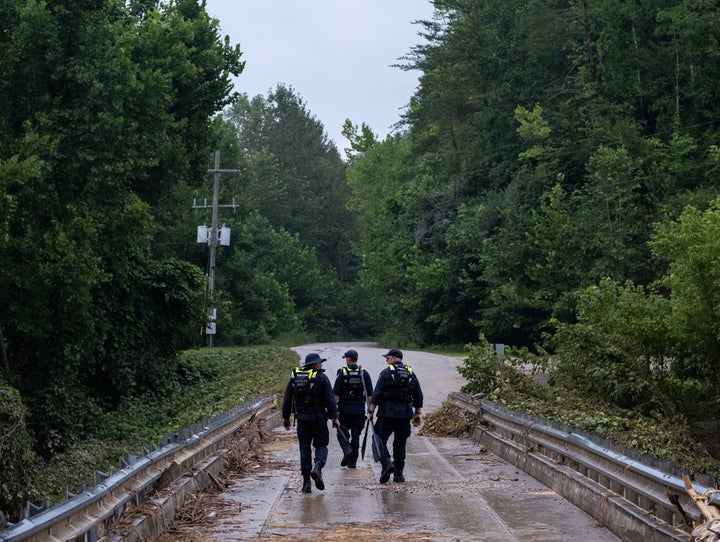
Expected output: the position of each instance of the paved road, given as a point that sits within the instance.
(455, 491)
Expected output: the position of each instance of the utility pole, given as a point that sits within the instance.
(213, 237)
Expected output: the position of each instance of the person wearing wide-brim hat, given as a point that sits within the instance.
(309, 395)
(398, 399)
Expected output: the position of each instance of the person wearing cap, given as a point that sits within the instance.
(398, 399)
(309, 395)
(353, 388)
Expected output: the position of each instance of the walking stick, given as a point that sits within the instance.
(369, 419)
(364, 442)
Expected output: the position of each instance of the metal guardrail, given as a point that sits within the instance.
(642, 485)
(81, 518)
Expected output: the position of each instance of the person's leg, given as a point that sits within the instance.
(344, 436)
(384, 428)
(382, 433)
(357, 424)
(304, 443)
(402, 433)
(321, 439)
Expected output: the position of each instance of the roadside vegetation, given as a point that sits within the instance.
(209, 381)
(554, 186)
(660, 430)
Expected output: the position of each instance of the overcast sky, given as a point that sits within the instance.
(335, 54)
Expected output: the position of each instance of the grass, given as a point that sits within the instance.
(211, 381)
(668, 439)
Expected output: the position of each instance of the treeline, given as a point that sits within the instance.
(105, 112)
(556, 188)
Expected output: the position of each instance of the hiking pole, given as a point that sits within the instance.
(364, 442)
(369, 418)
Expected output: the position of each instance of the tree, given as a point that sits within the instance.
(106, 106)
(296, 176)
(690, 246)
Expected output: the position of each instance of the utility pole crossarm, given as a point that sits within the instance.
(205, 205)
(218, 170)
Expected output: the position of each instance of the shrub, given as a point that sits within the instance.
(16, 455)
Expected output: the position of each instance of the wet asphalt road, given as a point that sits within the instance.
(455, 491)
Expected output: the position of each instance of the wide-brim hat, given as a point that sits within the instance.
(312, 359)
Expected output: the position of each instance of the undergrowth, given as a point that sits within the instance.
(517, 383)
(210, 381)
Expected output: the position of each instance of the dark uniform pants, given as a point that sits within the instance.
(352, 426)
(312, 433)
(400, 428)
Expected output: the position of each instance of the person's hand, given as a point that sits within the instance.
(336, 423)
(370, 415)
(416, 420)
(286, 425)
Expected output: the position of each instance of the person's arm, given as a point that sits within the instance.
(287, 405)
(336, 388)
(368, 385)
(418, 398)
(376, 398)
(417, 402)
(330, 402)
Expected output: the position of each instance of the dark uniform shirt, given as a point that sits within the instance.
(353, 407)
(393, 407)
(326, 407)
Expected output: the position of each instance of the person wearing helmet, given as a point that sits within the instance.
(310, 397)
(353, 388)
(398, 399)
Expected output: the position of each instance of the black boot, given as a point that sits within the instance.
(398, 476)
(387, 469)
(306, 484)
(316, 474)
(352, 462)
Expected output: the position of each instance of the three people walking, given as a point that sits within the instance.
(396, 397)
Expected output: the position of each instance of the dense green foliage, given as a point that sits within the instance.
(16, 455)
(110, 116)
(509, 382)
(290, 261)
(105, 106)
(208, 382)
(538, 194)
(554, 187)
(544, 141)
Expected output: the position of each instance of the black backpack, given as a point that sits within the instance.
(401, 386)
(352, 386)
(306, 397)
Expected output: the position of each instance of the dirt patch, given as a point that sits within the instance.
(449, 421)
